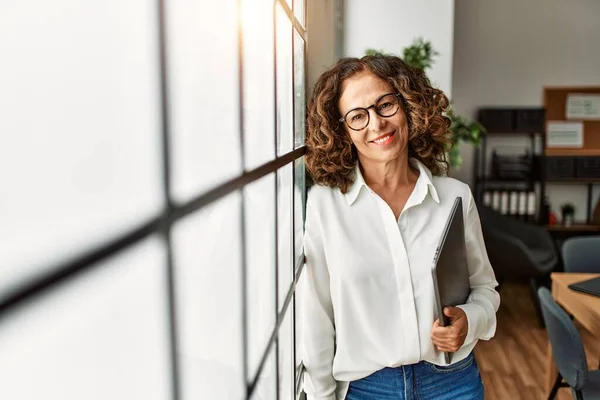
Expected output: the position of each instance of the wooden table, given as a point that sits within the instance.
(584, 308)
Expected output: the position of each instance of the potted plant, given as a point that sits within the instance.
(568, 212)
(464, 130)
(420, 55)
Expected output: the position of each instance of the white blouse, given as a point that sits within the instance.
(366, 295)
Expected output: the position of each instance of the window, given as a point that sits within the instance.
(152, 198)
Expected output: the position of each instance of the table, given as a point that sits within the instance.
(584, 308)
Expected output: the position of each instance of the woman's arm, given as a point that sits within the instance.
(484, 300)
(318, 334)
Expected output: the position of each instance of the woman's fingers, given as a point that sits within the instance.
(444, 333)
(447, 347)
(448, 338)
(446, 344)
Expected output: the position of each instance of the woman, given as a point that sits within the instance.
(377, 141)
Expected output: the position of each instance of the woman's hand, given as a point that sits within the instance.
(450, 338)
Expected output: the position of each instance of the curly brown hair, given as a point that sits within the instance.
(331, 156)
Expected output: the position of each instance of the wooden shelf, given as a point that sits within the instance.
(568, 181)
(515, 133)
(553, 152)
(576, 227)
(506, 180)
(574, 89)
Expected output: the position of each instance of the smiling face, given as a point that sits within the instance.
(384, 139)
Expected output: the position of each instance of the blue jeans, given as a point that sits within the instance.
(422, 381)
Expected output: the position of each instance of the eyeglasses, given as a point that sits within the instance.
(385, 106)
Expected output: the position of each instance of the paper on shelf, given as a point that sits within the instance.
(583, 106)
(564, 134)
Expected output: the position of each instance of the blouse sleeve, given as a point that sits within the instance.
(484, 300)
(318, 334)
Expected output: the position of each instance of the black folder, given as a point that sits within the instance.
(590, 286)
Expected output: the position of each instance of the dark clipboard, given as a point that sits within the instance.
(589, 286)
(450, 271)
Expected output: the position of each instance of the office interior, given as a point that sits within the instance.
(153, 191)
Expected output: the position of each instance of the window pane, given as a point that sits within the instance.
(299, 91)
(203, 77)
(266, 386)
(259, 199)
(80, 160)
(299, 207)
(284, 231)
(298, 326)
(259, 82)
(102, 335)
(286, 357)
(300, 11)
(285, 90)
(207, 247)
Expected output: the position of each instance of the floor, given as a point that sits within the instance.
(512, 363)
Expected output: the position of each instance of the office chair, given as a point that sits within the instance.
(568, 352)
(581, 254)
(519, 249)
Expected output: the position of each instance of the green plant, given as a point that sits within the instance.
(463, 130)
(568, 213)
(420, 55)
(567, 208)
(373, 52)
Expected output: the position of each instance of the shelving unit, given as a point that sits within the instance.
(574, 166)
(550, 165)
(588, 182)
(513, 122)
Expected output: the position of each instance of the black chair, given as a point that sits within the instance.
(568, 352)
(519, 249)
(581, 254)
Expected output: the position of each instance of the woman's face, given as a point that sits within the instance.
(384, 138)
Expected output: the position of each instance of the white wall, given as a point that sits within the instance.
(391, 25)
(505, 52)
(321, 38)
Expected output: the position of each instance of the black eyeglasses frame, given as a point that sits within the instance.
(366, 109)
